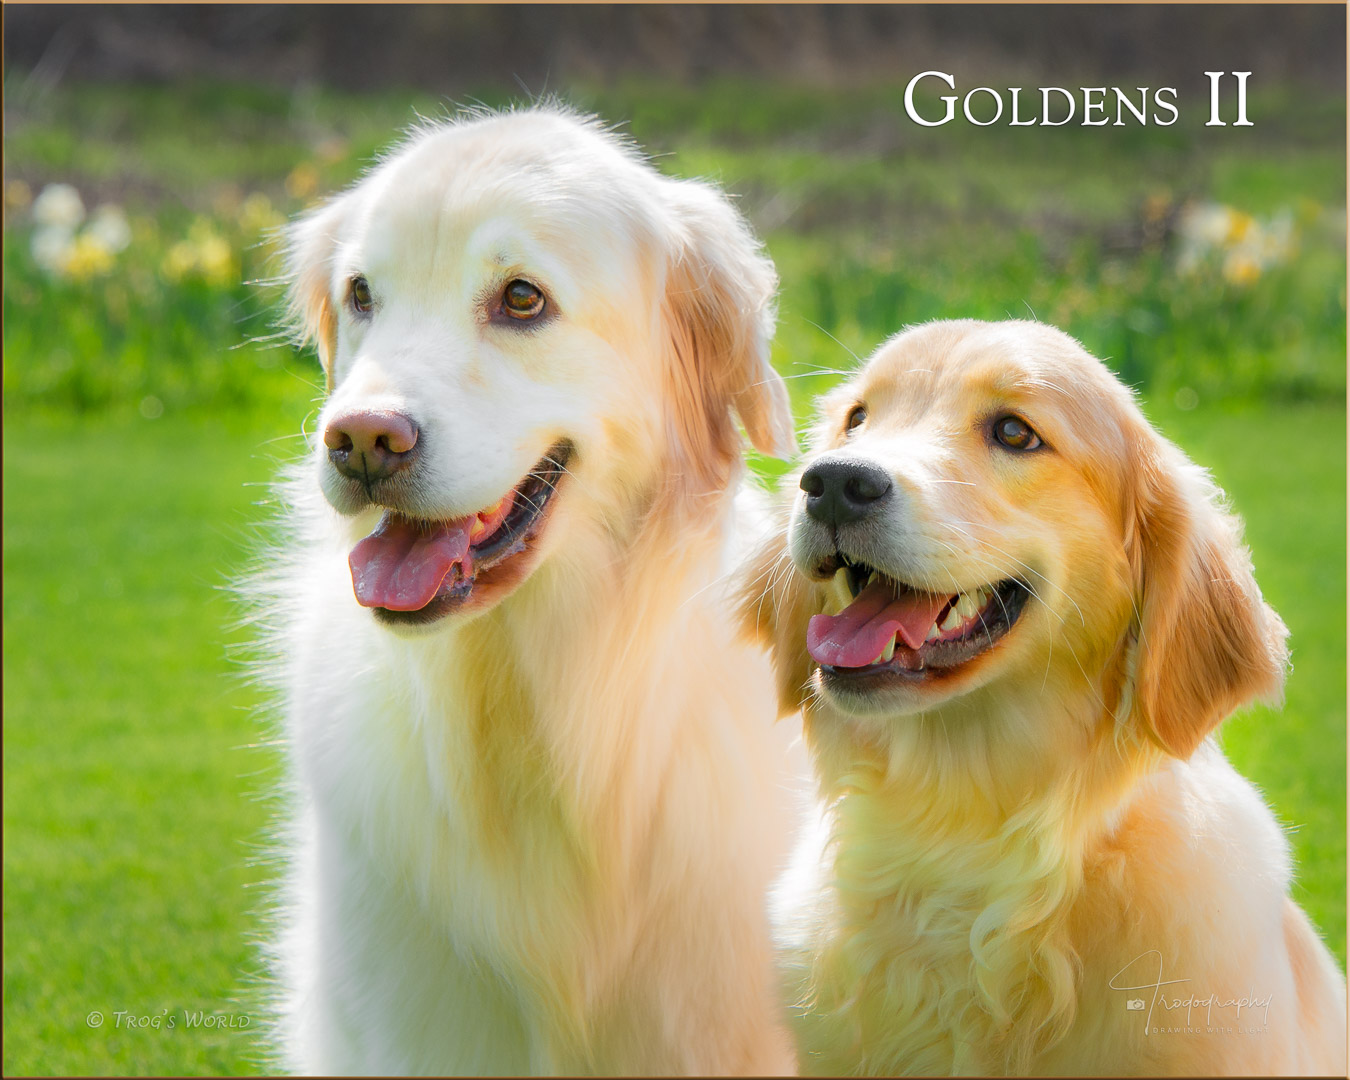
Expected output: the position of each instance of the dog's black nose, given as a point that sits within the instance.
(370, 445)
(838, 492)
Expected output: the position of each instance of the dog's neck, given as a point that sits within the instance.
(551, 730)
(959, 841)
(560, 677)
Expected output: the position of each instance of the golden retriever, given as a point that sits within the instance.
(537, 775)
(1016, 615)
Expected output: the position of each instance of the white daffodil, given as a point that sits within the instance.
(110, 228)
(52, 246)
(59, 206)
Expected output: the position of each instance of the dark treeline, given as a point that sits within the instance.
(460, 48)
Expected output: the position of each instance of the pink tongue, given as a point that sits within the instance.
(858, 634)
(401, 565)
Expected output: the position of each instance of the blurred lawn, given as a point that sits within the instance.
(132, 802)
(138, 405)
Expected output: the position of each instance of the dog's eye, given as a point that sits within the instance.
(856, 416)
(1015, 433)
(362, 301)
(522, 300)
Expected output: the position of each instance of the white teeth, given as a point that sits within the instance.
(839, 591)
(967, 606)
(933, 633)
(887, 652)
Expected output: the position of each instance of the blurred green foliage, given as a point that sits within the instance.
(872, 221)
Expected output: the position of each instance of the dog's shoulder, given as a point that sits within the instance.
(1193, 829)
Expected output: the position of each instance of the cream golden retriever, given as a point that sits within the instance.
(1017, 614)
(537, 777)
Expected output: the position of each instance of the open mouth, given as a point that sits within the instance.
(411, 571)
(888, 628)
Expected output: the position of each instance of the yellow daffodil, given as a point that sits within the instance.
(303, 181)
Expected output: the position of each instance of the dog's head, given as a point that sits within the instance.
(527, 332)
(986, 523)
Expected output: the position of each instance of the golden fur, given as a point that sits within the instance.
(1002, 852)
(536, 836)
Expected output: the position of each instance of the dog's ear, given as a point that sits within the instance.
(1207, 641)
(774, 603)
(309, 251)
(719, 310)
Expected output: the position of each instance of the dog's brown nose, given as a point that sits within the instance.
(838, 492)
(370, 445)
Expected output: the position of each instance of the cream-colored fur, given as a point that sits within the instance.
(536, 837)
(1005, 858)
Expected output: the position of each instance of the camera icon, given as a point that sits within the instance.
(1135, 1005)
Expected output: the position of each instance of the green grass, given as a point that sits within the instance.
(1284, 470)
(133, 808)
(132, 796)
